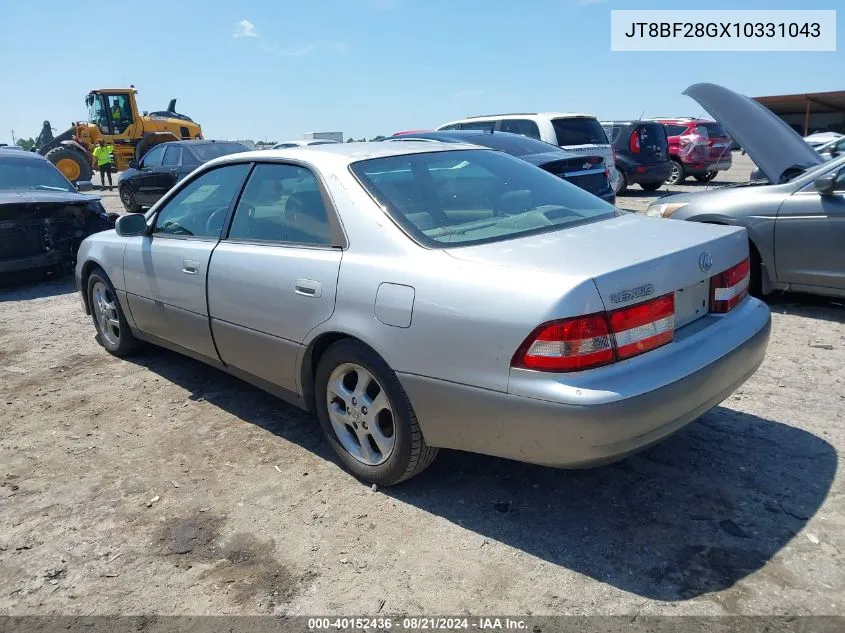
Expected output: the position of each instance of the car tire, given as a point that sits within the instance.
(710, 175)
(621, 184)
(678, 174)
(73, 164)
(383, 446)
(127, 197)
(113, 331)
(651, 186)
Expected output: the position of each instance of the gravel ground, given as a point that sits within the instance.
(159, 485)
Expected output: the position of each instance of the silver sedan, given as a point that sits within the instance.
(418, 296)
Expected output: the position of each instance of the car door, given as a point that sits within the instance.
(169, 172)
(144, 179)
(810, 236)
(165, 272)
(273, 277)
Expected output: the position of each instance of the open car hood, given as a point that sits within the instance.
(772, 144)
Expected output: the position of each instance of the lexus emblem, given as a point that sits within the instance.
(705, 262)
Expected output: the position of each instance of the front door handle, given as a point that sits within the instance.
(308, 288)
(190, 266)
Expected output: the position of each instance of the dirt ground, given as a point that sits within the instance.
(161, 486)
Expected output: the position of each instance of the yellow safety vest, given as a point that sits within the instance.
(103, 154)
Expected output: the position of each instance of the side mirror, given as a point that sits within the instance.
(826, 184)
(131, 224)
(84, 185)
(133, 164)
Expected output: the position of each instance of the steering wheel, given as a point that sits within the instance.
(215, 221)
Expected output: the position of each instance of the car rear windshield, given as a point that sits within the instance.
(513, 144)
(461, 197)
(709, 130)
(579, 131)
(31, 175)
(208, 151)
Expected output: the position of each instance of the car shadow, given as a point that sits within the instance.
(30, 285)
(692, 515)
(806, 305)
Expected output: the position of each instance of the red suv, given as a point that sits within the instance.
(697, 147)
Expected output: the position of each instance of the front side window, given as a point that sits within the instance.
(172, 156)
(119, 112)
(283, 204)
(455, 198)
(199, 209)
(153, 157)
(524, 127)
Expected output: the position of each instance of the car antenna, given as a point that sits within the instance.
(642, 114)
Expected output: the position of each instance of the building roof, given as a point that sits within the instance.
(797, 103)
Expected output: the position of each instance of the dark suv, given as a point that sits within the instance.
(642, 153)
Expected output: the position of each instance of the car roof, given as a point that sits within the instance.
(20, 155)
(679, 120)
(346, 153)
(194, 143)
(629, 122)
(542, 115)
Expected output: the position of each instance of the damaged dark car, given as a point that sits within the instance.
(43, 218)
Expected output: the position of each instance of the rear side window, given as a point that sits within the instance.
(675, 130)
(524, 127)
(281, 203)
(478, 125)
(579, 131)
(172, 156)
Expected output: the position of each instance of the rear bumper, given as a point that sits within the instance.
(658, 172)
(42, 260)
(588, 427)
(702, 167)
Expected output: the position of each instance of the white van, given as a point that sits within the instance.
(572, 132)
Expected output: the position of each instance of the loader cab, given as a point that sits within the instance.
(112, 111)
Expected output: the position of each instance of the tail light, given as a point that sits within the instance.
(634, 142)
(643, 327)
(567, 345)
(598, 339)
(730, 287)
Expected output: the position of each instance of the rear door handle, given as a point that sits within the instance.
(308, 288)
(190, 266)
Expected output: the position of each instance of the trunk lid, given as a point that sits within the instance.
(769, 141)
(630, 258)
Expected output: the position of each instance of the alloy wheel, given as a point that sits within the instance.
(360, 414)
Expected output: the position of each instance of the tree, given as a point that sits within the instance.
(25, 144)
(377, 138)
(350, 140)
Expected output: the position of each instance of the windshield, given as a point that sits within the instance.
(31, 175)
(579, 131)
(709, 130)
(96, 114)
(454, 198)
(208, 151)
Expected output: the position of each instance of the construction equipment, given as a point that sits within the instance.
(113, 116)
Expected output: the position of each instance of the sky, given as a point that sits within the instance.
(275, 69)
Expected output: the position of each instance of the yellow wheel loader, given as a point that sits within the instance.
(113, 116)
